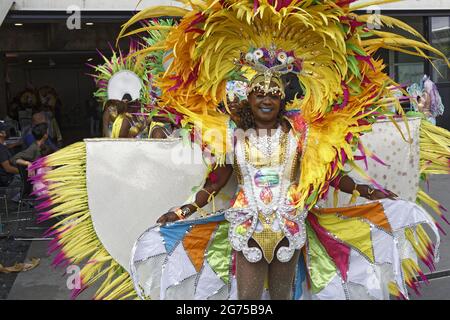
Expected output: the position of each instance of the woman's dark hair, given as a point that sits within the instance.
(292, 87)
(246, 119)
(127, 97)
(121, 106)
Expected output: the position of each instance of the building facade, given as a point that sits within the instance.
(39, 30)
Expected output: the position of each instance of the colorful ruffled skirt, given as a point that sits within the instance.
(369, 251)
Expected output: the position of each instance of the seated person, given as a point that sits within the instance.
(7, 171)
(29, 139)
(34, 151)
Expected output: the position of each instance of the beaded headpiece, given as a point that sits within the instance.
(269, 64)
(267, 83)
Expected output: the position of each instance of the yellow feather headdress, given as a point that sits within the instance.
(344, 86)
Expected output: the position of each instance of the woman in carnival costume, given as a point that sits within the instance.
(425, 99)
(277, 227)
(125, 86)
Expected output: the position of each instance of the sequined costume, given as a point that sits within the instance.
(265, 169)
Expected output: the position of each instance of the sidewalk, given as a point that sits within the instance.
(46, 283)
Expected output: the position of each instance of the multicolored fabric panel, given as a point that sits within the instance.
(184, 260)
(368, 251)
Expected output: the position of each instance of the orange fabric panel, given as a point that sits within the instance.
(196, 241)
(373, 212)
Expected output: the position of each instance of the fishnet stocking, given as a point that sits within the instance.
(250, 276)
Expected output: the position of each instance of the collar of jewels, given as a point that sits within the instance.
(269, 64)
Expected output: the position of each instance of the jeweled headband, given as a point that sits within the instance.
(262, 82)
(269, 64)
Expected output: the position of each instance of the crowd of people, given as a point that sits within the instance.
(29, 131)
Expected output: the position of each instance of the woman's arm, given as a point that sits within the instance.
(158, 133)
(125, 128)
(215, 182)
(348, 185)
(106, 115)
(22, 162)
(8, 167)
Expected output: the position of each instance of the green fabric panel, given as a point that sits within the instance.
(321, 268)
(219, 252)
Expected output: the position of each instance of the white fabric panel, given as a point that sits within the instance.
(208, 283)
(177, 269)
(333, 291)
(402, 214)
(358, 292)
(149, 273)
(401, 176)
(398, 250)
(367, 275)
(131, 183)
(221, 295)
(149, 244)
(182, 291)
(383, 244)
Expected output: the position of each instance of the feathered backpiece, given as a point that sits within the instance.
(116, 63)
(144, 67)
(154, 37)
(325, 42)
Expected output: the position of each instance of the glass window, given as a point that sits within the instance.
(408, 69)
(440, 39)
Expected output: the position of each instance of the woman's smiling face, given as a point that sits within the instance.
(265, 107)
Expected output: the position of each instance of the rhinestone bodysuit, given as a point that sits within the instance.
(263, 210)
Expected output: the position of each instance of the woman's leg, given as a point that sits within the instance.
(281, 275)
(250, 276)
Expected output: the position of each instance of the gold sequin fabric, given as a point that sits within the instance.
(267, 239)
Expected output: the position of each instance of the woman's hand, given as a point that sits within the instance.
(374, 194)
(168, 217)
(31, 173)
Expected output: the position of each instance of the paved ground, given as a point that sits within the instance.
(45, 282)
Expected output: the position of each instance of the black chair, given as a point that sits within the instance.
(4, 199)
(5, 194)
(26, 201)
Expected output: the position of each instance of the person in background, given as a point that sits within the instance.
(23, 159)
(94, 120)
(28, 139)
(108, 117)
(7, 171)
(34, 151)
(126, 125)
(122, 123)
(425, 98)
